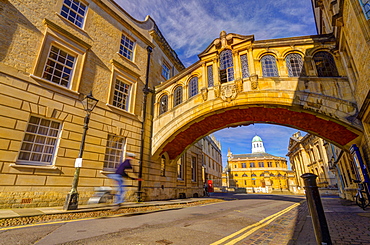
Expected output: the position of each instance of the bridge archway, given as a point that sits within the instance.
(318, 100)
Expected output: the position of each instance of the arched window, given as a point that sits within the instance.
(294, 64)
(269, 68)
(226, 66)
(325, 65)
(177, 97)
(163, 104)
(244, 175)
(244, 63)
(193, 87)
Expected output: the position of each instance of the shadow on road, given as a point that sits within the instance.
(302, 220)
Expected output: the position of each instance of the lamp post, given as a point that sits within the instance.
(71, 203)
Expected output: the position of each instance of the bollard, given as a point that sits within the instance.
(316, 210)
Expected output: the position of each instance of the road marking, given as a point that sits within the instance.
(252, 228)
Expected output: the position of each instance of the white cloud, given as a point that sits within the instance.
(190, 26)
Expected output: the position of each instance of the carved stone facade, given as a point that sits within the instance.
(245, 91)
(349, 23)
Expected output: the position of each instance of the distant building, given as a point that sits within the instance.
(258, 171)
(212, 160)
(307, 154)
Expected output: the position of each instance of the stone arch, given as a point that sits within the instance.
(292, 51)
(192, 130)
(272, 52)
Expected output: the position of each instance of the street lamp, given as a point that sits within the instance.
(71, 203)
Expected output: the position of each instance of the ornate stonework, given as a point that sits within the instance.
(228, 91)
(254, 81)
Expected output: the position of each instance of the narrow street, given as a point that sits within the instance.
(252, 219)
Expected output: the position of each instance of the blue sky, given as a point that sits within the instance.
(190, 26)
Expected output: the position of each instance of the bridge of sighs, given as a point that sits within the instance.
(297, 82)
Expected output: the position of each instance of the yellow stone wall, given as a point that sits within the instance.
(308, 154)
(29, 29)
(346, 21)
(308, 93)
(261, 179)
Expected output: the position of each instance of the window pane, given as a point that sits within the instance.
(127, 47)
(193, 87)
(55, 64)
(38, 147)
(177, 96)
(121, 95)
(325, 65)
(74, 12)
(226, 63)
(245, 68)
(210, 76)
(114, 151)
(163, 104)
(269, 68)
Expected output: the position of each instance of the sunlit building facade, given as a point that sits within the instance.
(307, 154)
(259, 172)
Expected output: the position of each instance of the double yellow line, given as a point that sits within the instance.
(240, 235)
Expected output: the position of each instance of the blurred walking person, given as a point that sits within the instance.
(123, 172)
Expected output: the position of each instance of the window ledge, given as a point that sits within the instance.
(53, 86)
(70, 23)
(49, 167)
(121, 110)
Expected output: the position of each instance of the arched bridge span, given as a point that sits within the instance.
(209, 95)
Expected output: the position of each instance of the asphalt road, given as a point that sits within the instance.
(241, 219)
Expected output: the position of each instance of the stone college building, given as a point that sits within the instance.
(82, 82)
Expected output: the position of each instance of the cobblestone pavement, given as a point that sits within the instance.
(348, 225)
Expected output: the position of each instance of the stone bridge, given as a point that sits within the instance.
(297, 82)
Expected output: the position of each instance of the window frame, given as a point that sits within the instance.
(327, 61)
(180, 167)
(115, 149)
(129, 93)
(75, 47)
(226, 66)
(210, 79)
(166, 70)
(37, 136)
(160, 104)
(178, 96)
(244, 65)
(294, 71)
(364, 11)
(58, 62)
(67, 15)
(124, 50)
(193, 166)
(193, 87)
(265, 69)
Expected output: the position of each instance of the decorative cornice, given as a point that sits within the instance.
(124, 68)
(51, 25)
(172, 55)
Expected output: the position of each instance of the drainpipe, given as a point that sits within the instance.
(146, 91)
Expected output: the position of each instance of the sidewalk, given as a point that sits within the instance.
(28, 212)
(348, 224)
